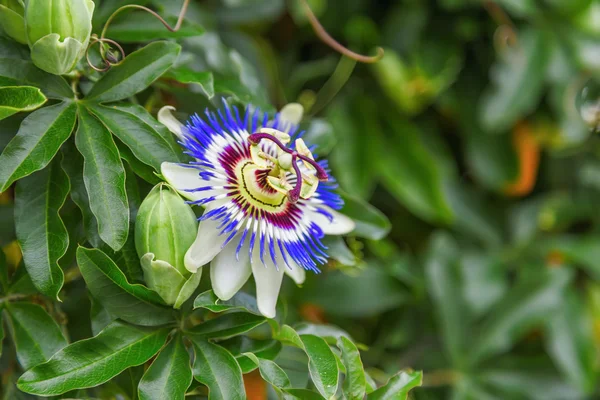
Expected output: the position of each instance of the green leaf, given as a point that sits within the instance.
(216, 368)
(42, 234)
(99, 316)
(398, 386)
(351, 157)
(355, 383)
(23, 71)
(170, 374)
(104, 178)
(339, 251)
(36, 335)
(241, 300)
(322, 364)
(40, 136)
(571, 343)
(517, 82)
(107, 283)
(149, 140)
(411, 173)
(370, 222)
(228, 325)
(72, 164)
(271, 372)
(524, 307)
(4, 282)
(136, 72)
(302, 394)
(443, 282)
(91, 362)
(143, 27)
(142, 170)
(14, 99)
(204, 79)
(239, 346)
(352, 296)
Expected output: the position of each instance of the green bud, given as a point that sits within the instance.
(165, 228)
(11, 19)
(58, 32)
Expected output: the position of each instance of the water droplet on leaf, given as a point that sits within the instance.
(588, 104)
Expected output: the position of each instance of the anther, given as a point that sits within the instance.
(294, 194)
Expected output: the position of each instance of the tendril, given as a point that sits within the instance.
(334, 44)
(108, 59)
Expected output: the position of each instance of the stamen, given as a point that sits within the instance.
(294, 194)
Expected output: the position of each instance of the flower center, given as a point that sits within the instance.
(292, 172)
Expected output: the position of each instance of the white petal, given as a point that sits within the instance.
(167, 119)
(268, 282)
(340, 225)
(227, 274)
(206, 246)
(291, 113)
(182, 178)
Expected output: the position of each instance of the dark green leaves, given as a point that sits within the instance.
(518, 82)
(40, 136)
(411, 173)
(149, 141)
(91, 362)
(36, 335)
(40, 230)
(104, 178)
(204, 79)
(241, 300)
(133, 303)
(370, 222)
(170, 374)
(136, 72)
(14, 99)
(216, 368)
(142, 27)
(23, 71)
(228, 325)
(522, 308)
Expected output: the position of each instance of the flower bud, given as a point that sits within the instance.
(11, 19)
(165, 228)
(58, 32)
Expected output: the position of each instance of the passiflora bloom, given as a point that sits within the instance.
(268, 203)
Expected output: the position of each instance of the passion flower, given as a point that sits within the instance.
(268, 202)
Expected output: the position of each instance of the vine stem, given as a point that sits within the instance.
(154, 13)
(102, 39)
(334, 44)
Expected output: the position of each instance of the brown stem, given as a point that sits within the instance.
(331, 42)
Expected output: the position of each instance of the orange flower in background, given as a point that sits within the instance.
(528, 152)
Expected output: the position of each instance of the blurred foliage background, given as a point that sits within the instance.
(474, 136)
